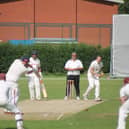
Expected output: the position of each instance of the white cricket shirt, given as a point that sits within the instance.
(96, 66)
(124, 91)
(73, 64)
(16, 69)
(35, 63)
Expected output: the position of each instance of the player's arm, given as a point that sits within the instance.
(96, 74)
(123, 96)
(101, 72)
(80, 66)
(32, 70)
(123, 99)
(92, 71)
(73, 69)
(67, 68)
(40, 72)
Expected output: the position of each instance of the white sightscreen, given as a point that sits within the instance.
(120, 46)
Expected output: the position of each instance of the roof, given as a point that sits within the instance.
(116, 1)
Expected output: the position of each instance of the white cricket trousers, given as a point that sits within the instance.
(13, 108)
(123, 113)
(14, 92)
(93, 82)
(34, 88)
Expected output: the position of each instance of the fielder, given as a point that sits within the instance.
(94, 74)
(35, 80)
(5, 101)
(124, 108)
(73, 67)
(17, 68)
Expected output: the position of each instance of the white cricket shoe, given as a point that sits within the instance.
(66, 98)
(20, 127)
(38, 98)
(85, 98)
(32, 99)
(98, 99)
(77, 98)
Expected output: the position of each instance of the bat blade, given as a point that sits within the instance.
(44, 91)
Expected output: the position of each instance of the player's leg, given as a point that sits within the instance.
(37, 88)
(77, 87)
(123, 113)
(14, 95)
(18, 115)
(90, 87)
(97, 90)
(31, 87)
(14, 92)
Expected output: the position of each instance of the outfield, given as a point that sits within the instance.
(102, 116)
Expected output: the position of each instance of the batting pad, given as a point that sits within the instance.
(120, 46)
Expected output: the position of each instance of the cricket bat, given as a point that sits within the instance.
(43, 88)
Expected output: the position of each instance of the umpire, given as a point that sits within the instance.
(73, 67)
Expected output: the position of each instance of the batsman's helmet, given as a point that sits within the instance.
(25, 59)
(126, 80)
(34, 52)
(2, 76)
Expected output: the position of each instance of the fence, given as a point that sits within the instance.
(87, 33)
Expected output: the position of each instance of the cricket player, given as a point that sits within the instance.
(94, 74)
(5, 101)
(34, 79)
(17, 68)
(124, 108)
(73, 68)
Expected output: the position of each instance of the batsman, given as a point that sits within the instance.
(36, 84)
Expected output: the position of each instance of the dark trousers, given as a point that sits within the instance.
(76, 79)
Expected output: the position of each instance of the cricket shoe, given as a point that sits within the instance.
(32, 98)
(66, 98)
(77, 98)
(20, 127)
(98, 99)
(85, 98)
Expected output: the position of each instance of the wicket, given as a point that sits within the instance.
(70, 85)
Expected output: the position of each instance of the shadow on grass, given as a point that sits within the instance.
(14, 128)
(10, 128)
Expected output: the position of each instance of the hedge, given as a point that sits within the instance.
(53, 56)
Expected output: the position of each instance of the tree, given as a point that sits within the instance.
(124, 8)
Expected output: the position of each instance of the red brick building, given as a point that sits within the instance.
(88, 21)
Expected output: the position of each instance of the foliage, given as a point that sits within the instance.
(124, 8)
(53, 56)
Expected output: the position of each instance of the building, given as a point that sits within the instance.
(88, 21)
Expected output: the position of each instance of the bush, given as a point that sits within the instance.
(53, 56)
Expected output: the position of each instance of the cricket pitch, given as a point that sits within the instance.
(50, 109)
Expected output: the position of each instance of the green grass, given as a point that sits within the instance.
(102, 116)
